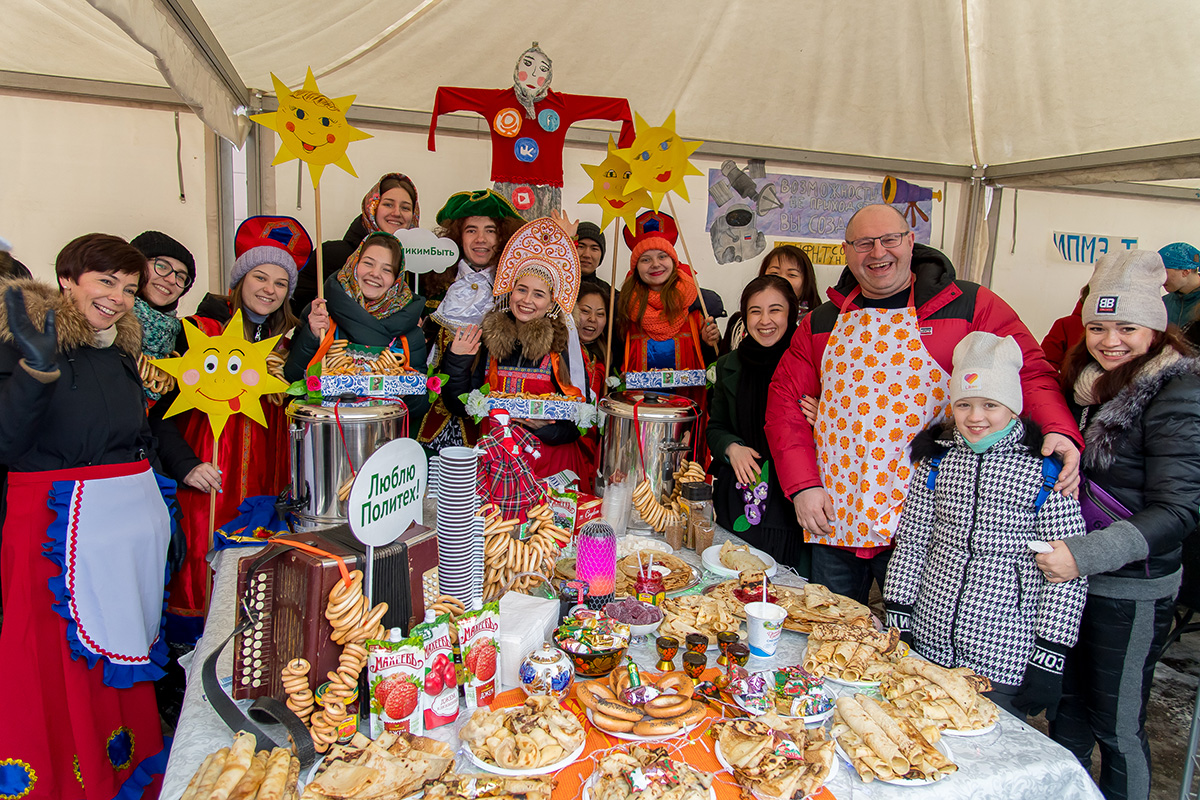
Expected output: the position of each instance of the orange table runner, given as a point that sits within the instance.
(696, 748)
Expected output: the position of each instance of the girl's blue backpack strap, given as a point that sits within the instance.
(1051, 466)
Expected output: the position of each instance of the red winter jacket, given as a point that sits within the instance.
(948, 310)
(1063, 335)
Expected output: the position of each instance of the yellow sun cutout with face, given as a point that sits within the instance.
(311, 127)
(658, 160)
(609, 181)
(220, 376)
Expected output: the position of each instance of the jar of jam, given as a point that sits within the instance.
(648, 587)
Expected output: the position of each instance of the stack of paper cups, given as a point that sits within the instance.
(459, 534)
(432, 479)
(477, 572)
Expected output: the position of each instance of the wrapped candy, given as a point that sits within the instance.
(794, 681)
(591, 632)
(638, 695)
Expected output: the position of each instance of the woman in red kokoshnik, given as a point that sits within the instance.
(86, 536)
(528, 342)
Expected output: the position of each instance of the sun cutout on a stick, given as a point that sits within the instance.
(311, 127)
(223, 375)
(609, 183)
(658, 160)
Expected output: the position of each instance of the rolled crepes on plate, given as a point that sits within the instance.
(872, 735)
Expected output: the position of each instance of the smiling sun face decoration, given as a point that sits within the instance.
(311, 127)
(609, 182)
(658, 160)
(222, 375)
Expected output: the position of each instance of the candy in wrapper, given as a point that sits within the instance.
(810, 704)
(637, 695)
(794, 681)
(662, 773)
(786, 747)
(753, 684)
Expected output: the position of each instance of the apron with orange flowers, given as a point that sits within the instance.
(880, 387)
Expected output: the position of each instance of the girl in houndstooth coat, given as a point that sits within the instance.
(962, 583)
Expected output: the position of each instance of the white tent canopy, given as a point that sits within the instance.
(944, 83)
(976, 93)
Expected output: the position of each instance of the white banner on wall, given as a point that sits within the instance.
(1085, 248)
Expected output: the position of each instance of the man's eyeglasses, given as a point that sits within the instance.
(164, 268)
(867, 243)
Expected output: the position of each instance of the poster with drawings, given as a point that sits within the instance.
(745, 206)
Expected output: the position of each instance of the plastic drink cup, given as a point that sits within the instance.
(764, 623)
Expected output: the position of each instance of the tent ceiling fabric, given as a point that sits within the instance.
(858, 77)
(71, 39)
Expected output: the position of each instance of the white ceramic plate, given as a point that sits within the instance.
(808, 720)
(941, 747)
(725, 766)
(979, 732)
(555, 767)
(630, 737)
(853, 684)
(591, 781)
(711, 558)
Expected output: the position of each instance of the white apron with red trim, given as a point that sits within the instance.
(114, 566)
(879, 388)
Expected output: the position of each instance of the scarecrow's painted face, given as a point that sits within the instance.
(532, 72)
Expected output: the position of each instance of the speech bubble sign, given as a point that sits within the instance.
(388, 491)
(425, 252)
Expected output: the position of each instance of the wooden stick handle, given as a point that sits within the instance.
(687, 255)
(317, 244)
(612, 307)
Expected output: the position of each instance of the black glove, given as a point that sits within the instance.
(1042, 685)
(899, 616)
(38, 347)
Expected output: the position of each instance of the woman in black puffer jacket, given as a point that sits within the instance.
(1135, 387)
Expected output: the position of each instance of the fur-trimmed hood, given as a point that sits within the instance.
(501, 335)
(940, 437)
(71, 327)
(1107, 428)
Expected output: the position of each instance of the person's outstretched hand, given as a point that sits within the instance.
(37, 347)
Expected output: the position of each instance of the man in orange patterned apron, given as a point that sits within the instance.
(877, 358)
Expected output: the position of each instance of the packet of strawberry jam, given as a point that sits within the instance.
(478, 636)
(439, 689)
(396, 675)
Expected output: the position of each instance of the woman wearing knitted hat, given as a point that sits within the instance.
(962, 585)
(527, 343)
(658, 313)
(389, 206)
(170, 272)
(370, 304)
(1135, 389)
(253, 458)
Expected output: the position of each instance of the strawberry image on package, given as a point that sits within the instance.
(396, 674)
(439, 691)
(478, 636)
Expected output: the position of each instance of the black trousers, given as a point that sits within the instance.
(845, 573)
(1106, 685)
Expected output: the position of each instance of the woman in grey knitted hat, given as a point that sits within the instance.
(1134, 387)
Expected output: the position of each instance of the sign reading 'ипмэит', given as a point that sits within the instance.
(1085, 248)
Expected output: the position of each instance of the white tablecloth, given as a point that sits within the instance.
(1013, 762)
